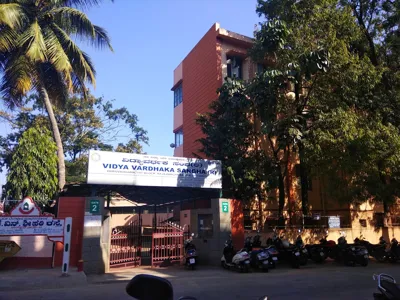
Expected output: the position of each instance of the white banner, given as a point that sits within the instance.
(149, 170)
(31, 226)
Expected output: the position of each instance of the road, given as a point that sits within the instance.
(329, 281)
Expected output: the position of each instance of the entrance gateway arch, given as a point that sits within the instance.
(140, 207)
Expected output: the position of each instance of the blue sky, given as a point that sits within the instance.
(150, 38)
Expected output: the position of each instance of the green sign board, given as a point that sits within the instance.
(94, 206)
(225, 207)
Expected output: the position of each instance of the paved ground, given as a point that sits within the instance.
(329, 281)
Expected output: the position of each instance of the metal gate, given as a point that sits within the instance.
(125, 248)
(133, 245)
(168, 243)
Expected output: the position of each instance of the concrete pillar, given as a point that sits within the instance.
(96, 235)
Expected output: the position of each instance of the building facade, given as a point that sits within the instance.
(221, 53)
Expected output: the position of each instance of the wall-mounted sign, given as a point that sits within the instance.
(92, 221)
(94, 207)
(26, 219)
(148, 170)
(225, 207)
(316, 216)
(334, 222)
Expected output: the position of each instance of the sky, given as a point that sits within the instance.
(150, 38)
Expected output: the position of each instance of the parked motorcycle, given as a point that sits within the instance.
(394, 251)
(258, 257)
(387, 286)
(235, 260)
(317, 253)
(377, 251)
(329, 247)
(303, 250)
(351, 254)
(287, 252)
(190, 253)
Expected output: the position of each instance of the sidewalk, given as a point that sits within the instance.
(34, 279)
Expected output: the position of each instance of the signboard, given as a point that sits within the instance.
(334, 222)
(148, 170)
(92, 221)
(225, 207)
(316, 216)
(26, 219)
(94, 207)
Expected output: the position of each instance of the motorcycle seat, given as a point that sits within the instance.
(391, 288)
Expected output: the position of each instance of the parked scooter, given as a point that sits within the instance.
(190, 253)
(235, 260)
(387, 286)
(258, 257)
(377, 251)
(270, 251)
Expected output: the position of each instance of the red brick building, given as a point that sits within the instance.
(220, 53)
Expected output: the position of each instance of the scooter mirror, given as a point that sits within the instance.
(146, 287)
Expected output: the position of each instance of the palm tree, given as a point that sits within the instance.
(38, 54)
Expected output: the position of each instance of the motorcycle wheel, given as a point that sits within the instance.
(246, 269)
(364, 262)
(380, 258)
(295, 264)
(273, 265)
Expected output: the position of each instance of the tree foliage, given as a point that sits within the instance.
(84, 124)
(33, 166)
(38, 54)
(329, 94)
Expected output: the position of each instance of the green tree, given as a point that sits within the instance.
(33, 166)
(38, 53)
(357, 95)
(93, 123)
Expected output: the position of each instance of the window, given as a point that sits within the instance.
(260, 69)
(206, 226)
(179, 138)
(234, 67)
(178, 95)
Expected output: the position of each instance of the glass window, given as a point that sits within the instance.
(178, 95)
(178, 138)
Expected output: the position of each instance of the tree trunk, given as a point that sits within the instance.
(57, 138)
(260, 211)
(303, 181)
(281, 185)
